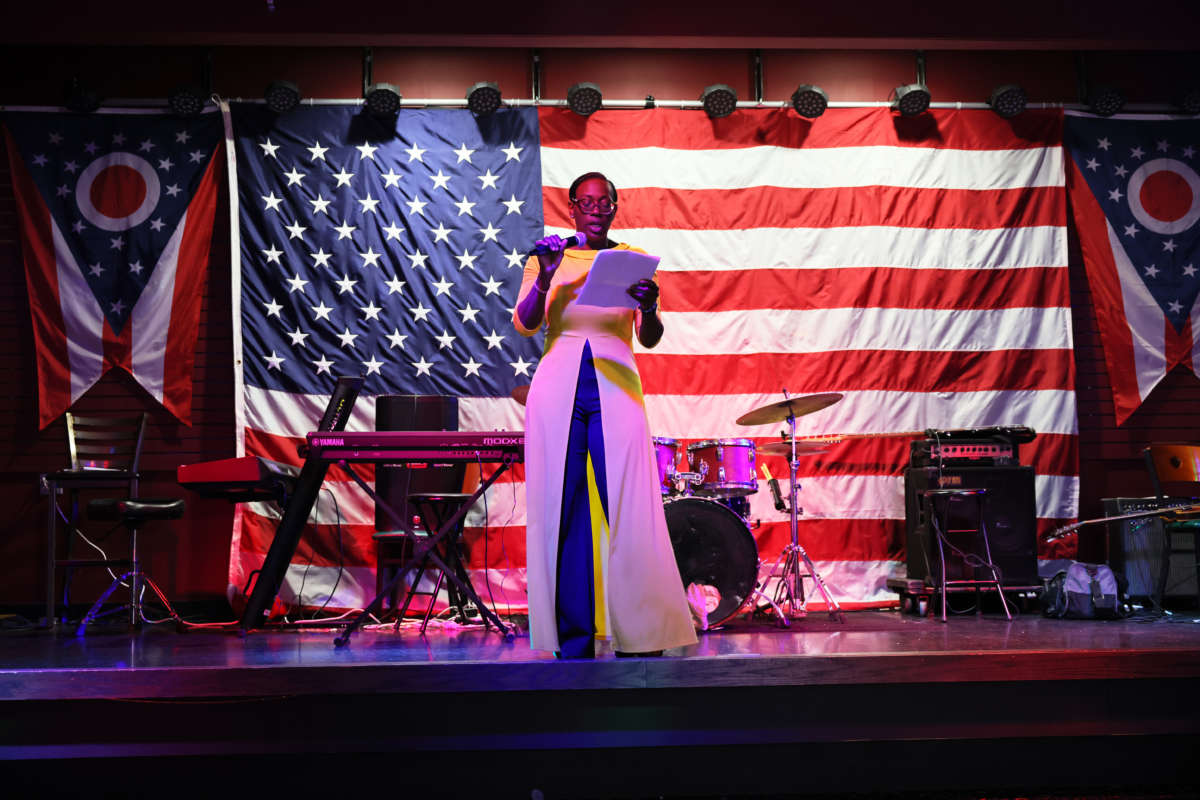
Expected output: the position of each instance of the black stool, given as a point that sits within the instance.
(930, 508)
(132, 513)
(433, 510)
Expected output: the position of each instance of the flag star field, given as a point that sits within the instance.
(391, 253)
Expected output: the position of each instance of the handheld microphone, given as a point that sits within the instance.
(773, 485)
(574, 240)
(776, 494)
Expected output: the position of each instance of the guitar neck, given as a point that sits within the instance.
(1058, 533)
(834, 438)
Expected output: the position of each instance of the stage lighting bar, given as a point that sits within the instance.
(186, 101)
(1188, 101)
(383, 100)
(483, 98)
(1105, 101)
(912, 99)
(810, 101)
(80, 98)
(719, 100)
(585, 98)
(1008, 100)
(282, 96)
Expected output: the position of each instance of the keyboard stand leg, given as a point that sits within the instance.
(428, 550)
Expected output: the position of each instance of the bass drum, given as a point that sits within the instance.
(715, 551)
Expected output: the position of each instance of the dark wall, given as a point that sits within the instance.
(189, 558)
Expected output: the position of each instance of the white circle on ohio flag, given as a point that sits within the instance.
(1164, 195)
(118, 191)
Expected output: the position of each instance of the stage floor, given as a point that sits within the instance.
(882, 702)
(867, 647)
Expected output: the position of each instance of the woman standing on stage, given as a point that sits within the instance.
(598, 553)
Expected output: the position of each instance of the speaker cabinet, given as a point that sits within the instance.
(1009, 512)
(1137, 550)
(394, 482)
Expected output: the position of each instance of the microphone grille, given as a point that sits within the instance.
(580, 238)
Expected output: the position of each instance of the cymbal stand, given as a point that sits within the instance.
(789, 591)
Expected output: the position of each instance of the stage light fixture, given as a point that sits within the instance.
(1188, 101)
(810, 101)
(80, 98)
(1105, 101)
(912, 99)
(483, 98)
(282, 96)
(1008, 100)
(383, 100)
(585, 98)
(186, 101)
(719, 100)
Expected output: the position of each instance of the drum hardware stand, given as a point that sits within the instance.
(789, 591)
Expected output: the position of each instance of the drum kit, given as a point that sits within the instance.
(707, 510)
(708, 513)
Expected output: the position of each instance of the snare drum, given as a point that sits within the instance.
(666, 452)
(715, 551)
(726, 467)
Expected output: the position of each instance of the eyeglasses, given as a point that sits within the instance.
(587, 205)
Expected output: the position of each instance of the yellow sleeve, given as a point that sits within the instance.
(527, 281)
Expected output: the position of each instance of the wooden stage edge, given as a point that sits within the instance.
(864, 706)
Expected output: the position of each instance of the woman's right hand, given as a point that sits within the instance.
(548, 261)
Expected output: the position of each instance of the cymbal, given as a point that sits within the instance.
(793, 406)
(802, 448)
(520, 393)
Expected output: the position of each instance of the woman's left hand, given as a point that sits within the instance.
(645, 292)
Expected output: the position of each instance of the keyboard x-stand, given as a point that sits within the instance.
(407, 447)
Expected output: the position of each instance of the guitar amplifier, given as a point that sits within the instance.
(1137, 549)
(1009, 511)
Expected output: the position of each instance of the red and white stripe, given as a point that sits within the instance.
(925, 278)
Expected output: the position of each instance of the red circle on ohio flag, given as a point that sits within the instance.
(117, 192)
(1164, 195)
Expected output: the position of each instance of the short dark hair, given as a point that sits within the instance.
(587, 176)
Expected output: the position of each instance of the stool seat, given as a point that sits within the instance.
(99, 475)
(461, 497)
(387, 535)
(136, 509)
(954, 492)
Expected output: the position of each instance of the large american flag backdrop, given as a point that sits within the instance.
(918, 267)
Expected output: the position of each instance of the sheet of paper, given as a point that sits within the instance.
(612, 273)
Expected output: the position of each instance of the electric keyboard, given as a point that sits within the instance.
(239, 480)
(417, 446)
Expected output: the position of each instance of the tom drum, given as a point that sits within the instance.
(666, 452)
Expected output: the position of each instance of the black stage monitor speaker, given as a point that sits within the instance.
(1137, 548)
(393, 483)
(1009, 512)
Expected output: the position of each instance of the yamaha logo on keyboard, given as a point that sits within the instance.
(327, 441)
(503, 440)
